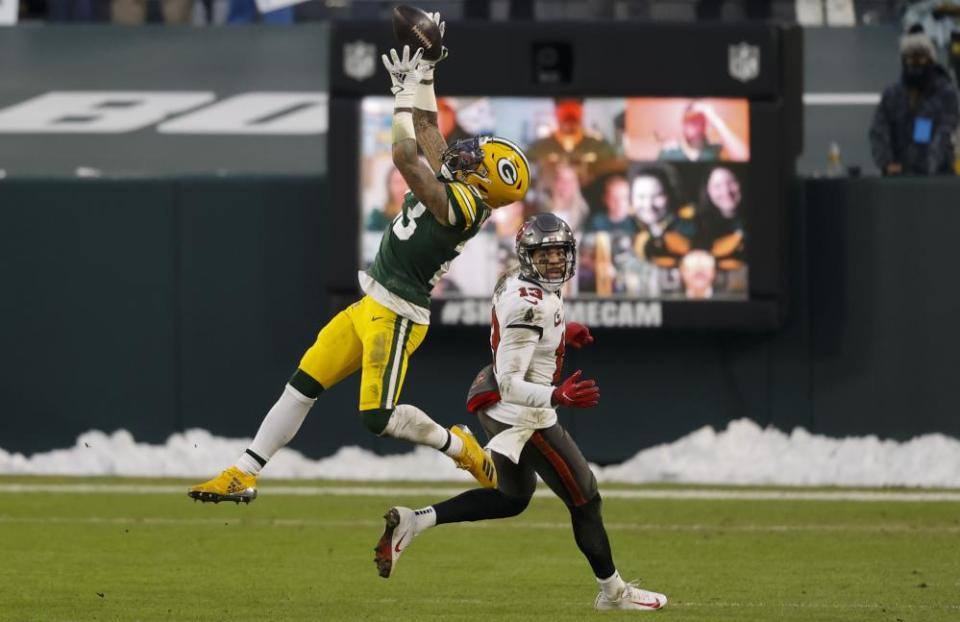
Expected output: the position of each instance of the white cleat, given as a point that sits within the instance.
(397, 535)
(632, 597)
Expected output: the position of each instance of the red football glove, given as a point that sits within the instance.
(577, 335)
(571, 392)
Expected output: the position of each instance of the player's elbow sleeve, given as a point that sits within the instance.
(511, 386)
(505, 385)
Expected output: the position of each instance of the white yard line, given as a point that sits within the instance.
(721, 604)
(820, 605)
(241, 521)
(442, 491)
(786, 495)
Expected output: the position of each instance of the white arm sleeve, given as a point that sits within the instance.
(513, 359)
(521, 326)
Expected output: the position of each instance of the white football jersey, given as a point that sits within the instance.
(527, 340)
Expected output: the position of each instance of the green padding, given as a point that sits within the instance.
(304, 382)
(376, 419)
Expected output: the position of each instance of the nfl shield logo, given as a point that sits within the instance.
(359, 59)
(744, 61)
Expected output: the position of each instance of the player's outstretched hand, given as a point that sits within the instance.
(404, 70)
(577, 335)
(577, 393)
(442, 25)
(428, 65)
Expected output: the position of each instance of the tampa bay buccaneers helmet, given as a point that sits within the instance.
(494, 166)
(544, 231)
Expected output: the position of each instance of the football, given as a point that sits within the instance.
(413, 27)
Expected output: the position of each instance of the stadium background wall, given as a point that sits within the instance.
(129, 304)
(73, 57)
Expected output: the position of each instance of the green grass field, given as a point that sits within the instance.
(159, 556)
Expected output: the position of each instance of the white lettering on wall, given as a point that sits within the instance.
(607, 313)
(97, 112)
(256, 113)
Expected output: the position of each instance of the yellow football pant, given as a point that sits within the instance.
(366, 334)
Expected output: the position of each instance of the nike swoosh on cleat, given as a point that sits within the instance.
(396, 548)
(654, 605)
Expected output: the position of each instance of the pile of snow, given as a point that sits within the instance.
(744, 453)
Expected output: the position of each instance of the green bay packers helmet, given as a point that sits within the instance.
(496, 167)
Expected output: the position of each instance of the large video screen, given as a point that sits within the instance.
(654, 188)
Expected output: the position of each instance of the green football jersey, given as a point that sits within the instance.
(416, 250)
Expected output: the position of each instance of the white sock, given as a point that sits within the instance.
(455, 446)
(612, 586)
(409, 423)
(278, 427)
(424, 518)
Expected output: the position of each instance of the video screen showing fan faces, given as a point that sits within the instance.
(654, 189)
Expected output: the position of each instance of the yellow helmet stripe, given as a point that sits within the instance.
(464, 204)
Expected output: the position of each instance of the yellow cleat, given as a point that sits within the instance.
(231, 485)
(474, 458)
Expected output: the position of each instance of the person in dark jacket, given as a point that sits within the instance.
(914, 124)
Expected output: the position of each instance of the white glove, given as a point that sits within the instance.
(405, 74)
(428, 65)
(442, 25)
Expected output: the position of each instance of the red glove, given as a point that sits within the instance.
(577, 335)
(571, 392)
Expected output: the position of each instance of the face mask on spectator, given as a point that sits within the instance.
(917, 75)
(917, 55)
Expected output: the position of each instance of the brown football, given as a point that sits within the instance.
(413, 27)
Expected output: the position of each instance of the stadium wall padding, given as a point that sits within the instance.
(165, 304)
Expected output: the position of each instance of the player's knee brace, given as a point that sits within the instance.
(376, 419)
